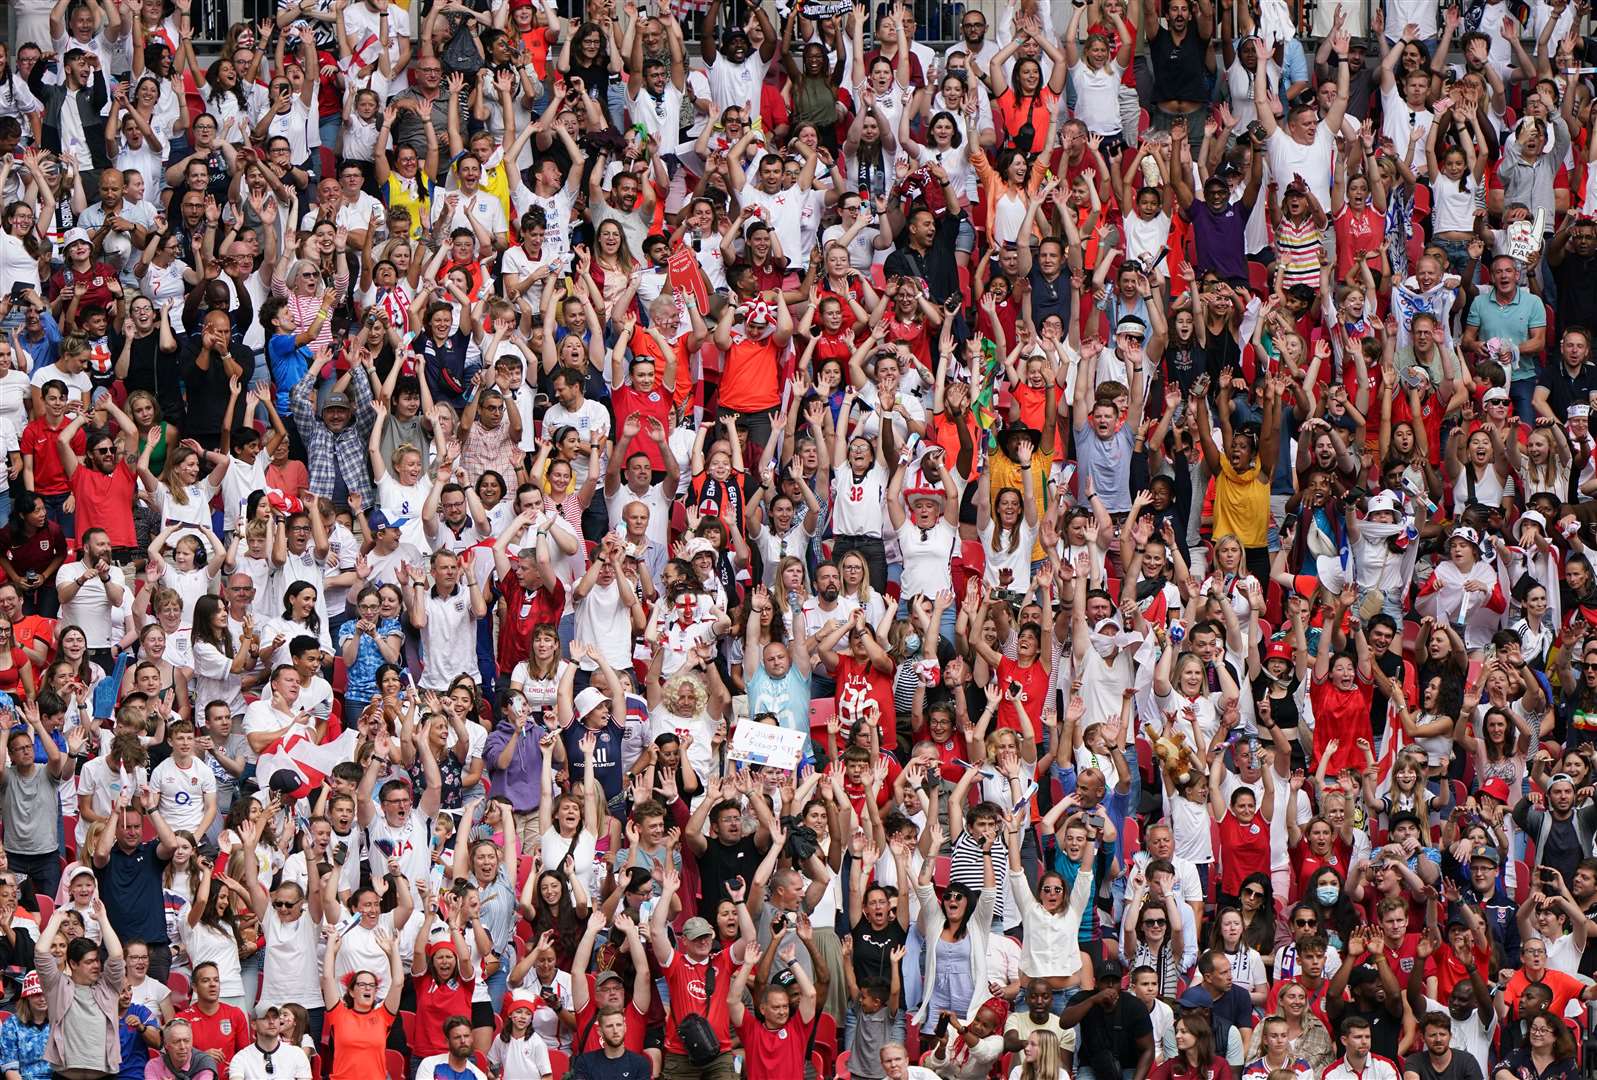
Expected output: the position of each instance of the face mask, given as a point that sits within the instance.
(1327, 894)
(911, 644)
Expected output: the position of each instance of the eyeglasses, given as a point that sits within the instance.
(358, 985)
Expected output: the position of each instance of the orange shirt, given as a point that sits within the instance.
(362, 1039)
(749, 382)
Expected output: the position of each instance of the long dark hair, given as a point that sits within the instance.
(1260, 933)
(213, 79)
(313, 621)
(956, 889)
(205, 611)
(1202, 1041)
(561, 918)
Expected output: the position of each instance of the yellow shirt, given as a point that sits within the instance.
(1241, 504)
(1003, 472)
(496, 182)
(412, 195)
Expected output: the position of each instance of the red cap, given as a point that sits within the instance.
(1497, 788)
(1280, 649)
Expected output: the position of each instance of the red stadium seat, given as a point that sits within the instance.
(941, 871)
(559, 1062)
(816, 1063)
(826, 1041)
(46, 907)
(1130, 838)
(1521, 880)
(407, 1024)
(396, 1065)
(842, 1064)
(1258, 277)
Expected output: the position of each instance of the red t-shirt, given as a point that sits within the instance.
(1307, 864)
(1247, 850)
(1033, 680)
(770, 1055)
(523, 611)
(852, 677)
(1343, 715)
(637, 1023)
(436, 1002)
(625, 402)
(686, 981)
(38, 439)
(97, 280)
(106, 502)
(221, 1034)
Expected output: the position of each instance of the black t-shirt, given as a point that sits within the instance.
(1179, 73)
(720, 863)
(1385, 1030)
(1461, 1067)
(206, 391)
(1576, 277)
(1109, 1037)
(1392, 664)
(154, 369)
(873, 949)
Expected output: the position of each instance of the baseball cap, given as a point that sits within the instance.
(608, 975)
(337, 400)
(31, 984)
(1489, 853)
(696, 929)
(377, 520)
(588, 700)
(1497, 788)
(265, 1009)
(1280, 650)
(1496, 393)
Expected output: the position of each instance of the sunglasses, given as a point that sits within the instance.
(1257, 894)
(1305, 922)
(1155, 922)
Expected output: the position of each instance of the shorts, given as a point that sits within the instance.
(482, 1014)
(965, 239)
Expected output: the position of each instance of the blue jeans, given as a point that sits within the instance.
(1523, 393)
(54, 511)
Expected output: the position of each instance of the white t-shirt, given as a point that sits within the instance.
(603, 620)
(659, 116)
(1288, 157)
(1098, 96)
(738, 85)
(292, 971)
(449, 640)
(78, 384)
(405, 501)
(183, 792)
(90, 608)
(928, 556)
(592, 422)
(486, 209)
(786, 213)
(410, 842)
(858, 504)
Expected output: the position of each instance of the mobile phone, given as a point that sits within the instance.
(942, 1027)
(1473, 675)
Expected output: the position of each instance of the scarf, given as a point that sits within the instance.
(1105, 644)
(720, 498)
(199, 1061)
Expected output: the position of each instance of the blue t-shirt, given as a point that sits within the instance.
(606, 754)
(131, 887)
(289, 363)
(135, 1051)
(788, 698)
